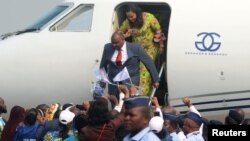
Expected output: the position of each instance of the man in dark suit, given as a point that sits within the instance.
(120, 54)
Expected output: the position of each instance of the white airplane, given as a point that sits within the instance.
(54, 59)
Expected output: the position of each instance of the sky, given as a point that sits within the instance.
(18, 14)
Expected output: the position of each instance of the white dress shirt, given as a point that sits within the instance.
(181, 135)
(144, 135)
(193, 109)
(175, 136)
(194, 136)
(124, 54)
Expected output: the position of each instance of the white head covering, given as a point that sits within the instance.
(156, 124)
(66, 116)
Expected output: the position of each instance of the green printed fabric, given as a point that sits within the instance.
(54, 136)
(144, 36)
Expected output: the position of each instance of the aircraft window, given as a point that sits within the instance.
(48, 17)
(79, 19)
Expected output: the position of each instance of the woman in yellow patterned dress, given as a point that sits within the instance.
(145, 29)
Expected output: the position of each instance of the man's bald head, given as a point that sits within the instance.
(117, 34)
(117, 40)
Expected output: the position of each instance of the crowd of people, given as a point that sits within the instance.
(108, 119)
(123, 113)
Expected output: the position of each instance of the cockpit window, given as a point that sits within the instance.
(79, 20)
(48, 17)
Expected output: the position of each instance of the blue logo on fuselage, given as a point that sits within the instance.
(208, 42)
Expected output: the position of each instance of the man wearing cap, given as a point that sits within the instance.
(156, 123)
(205, 122)
(171, 124)
(131, 54)
(191, 127)
(137, 116)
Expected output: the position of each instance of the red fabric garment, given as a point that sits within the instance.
(91, 133)
(118, 60)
